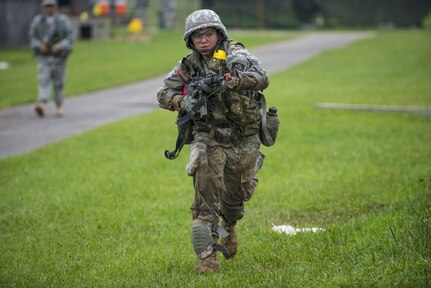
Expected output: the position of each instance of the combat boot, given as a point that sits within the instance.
(230, 243)
(209, 264)
(59, 112)
(40, 109)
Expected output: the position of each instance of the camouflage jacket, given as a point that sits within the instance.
(59, 32)
(238, 107)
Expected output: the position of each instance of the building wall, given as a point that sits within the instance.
(16, 17)
(15, 20)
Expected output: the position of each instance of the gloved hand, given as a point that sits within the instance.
(55, 49)
(233, 83)
(187, 102)
(176, 102)
(43, 48)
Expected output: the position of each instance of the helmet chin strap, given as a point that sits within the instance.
(207, 52)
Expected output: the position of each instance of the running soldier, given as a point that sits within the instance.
(215, 89)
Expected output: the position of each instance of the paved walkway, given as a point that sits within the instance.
(21, 131)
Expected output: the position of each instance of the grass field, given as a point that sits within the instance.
(100, 64)
(105, 209)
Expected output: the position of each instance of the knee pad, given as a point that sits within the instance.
(202, 240)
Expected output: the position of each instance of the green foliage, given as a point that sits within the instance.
(105, 208)
(402, 13)
(254, 14)
(426, 22)
(336, 13)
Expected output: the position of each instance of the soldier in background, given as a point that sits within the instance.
(225, 152)
(51, 38)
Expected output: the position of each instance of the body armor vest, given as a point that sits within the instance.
(237, 108)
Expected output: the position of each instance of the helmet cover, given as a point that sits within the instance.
(201, 19)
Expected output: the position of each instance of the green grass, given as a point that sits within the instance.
(101, 64)
(105, 208)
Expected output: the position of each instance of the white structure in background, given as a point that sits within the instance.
(289, 230)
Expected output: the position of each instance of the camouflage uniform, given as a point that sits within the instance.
(52, 31)
(224, 153)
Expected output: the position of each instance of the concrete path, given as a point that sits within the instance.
(21, 131)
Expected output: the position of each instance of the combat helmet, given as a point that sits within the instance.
(49, 2)
(202, 19)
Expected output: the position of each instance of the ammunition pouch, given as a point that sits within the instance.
(224, 136)
(222, 132)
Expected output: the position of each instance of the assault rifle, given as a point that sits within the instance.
(201, 88)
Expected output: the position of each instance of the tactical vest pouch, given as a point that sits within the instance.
(269, 124)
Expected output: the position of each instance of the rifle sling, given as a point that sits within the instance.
(183, 132)
(184, 125)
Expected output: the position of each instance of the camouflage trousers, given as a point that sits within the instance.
(51, 74)
(225, 177)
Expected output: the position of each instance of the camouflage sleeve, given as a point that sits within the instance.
(34, 39)
(67, 42)
(248, 68)
(172, 86)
